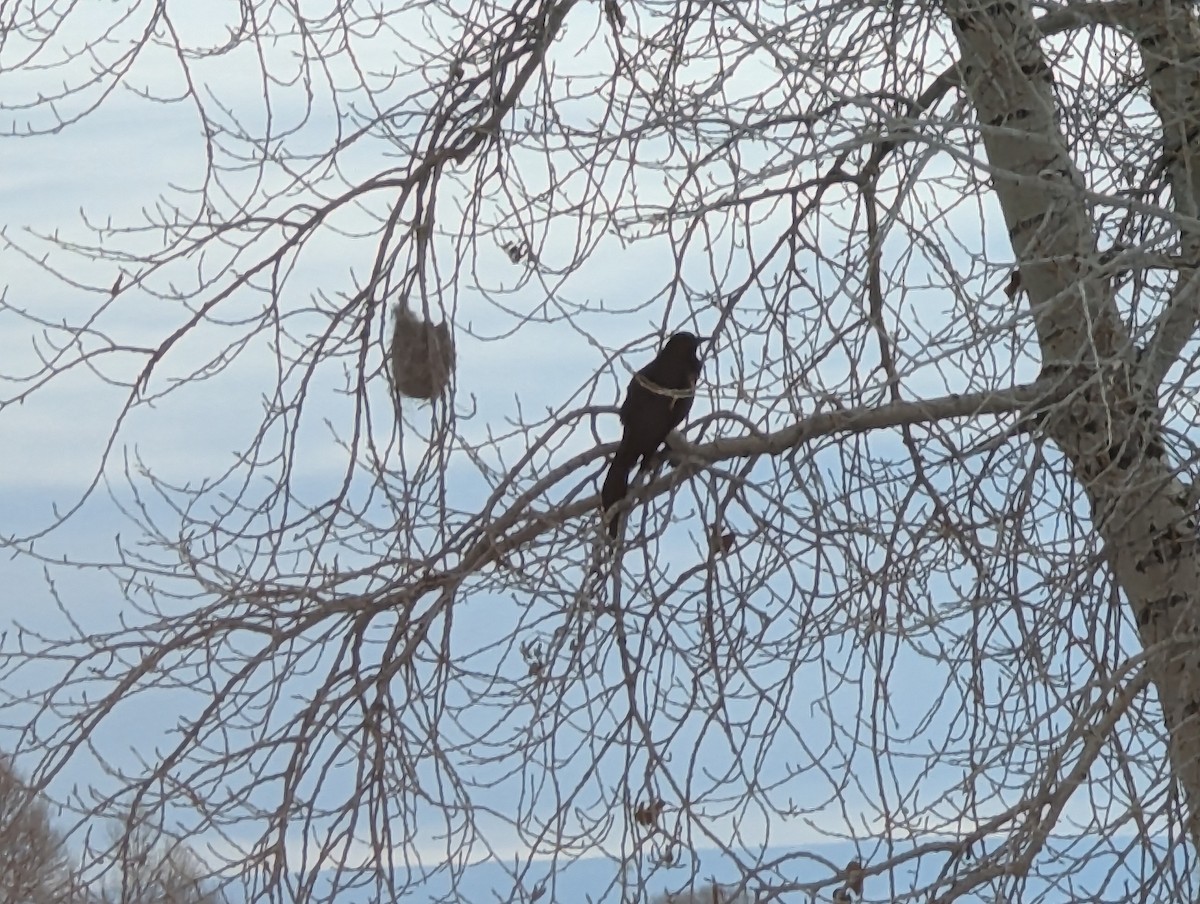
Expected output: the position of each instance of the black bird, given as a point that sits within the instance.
(658, 399)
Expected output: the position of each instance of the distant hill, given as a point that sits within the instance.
(591, 880)
(600, 880)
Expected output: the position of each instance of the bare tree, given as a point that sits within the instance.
(138, 866)
(924, 582)
(34, 867)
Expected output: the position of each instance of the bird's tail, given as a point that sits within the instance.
(616, 485)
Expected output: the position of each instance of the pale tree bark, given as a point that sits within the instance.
(1110, 425)
(1167, 35)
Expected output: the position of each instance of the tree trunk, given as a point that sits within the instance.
(1110, 427)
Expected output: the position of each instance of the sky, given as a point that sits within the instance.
(528, 343)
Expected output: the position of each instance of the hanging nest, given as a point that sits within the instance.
(422, 355)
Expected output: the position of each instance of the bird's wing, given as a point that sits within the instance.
(638, 399)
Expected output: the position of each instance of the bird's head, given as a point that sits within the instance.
(685, 345)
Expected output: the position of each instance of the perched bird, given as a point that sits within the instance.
(658, 399)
